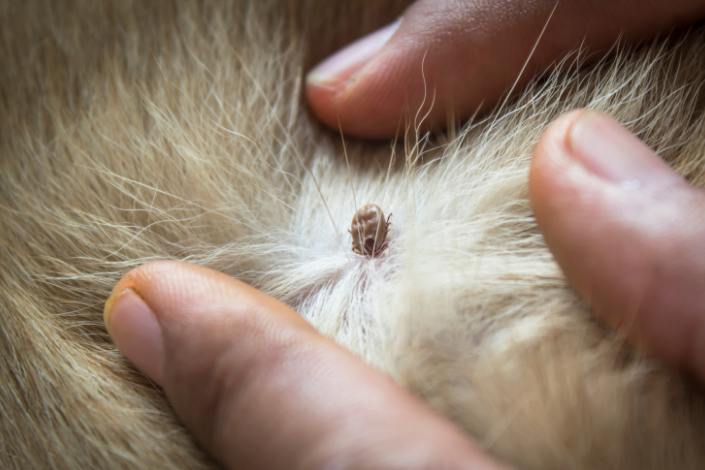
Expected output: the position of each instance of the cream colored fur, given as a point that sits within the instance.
(138, 131)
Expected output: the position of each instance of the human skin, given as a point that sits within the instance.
(240, 368)
(463, 56)
(260, 388)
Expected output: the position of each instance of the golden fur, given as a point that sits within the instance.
(137, 131)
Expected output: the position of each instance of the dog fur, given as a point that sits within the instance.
(175, 129)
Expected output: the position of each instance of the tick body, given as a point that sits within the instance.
(369, 230)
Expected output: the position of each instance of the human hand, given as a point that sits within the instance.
(628, 232)
(471, 53)
(260, 388)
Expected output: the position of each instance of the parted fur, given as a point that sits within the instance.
(139, 131)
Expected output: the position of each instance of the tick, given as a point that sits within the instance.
(369, 230)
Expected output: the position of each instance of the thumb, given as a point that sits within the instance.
(627, 231)
(260, 388)
(452, 58)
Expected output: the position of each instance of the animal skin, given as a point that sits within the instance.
(175, 129)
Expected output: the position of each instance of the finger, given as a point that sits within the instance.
(454, 58)
(627, 231)
(261, 389)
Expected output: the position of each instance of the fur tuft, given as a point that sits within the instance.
(138, 131)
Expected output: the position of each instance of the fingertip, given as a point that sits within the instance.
(551, 167)
(138, 279)
(366, 109)
(133, 310)
(624, 228)
(344, 64)
(136, 332)
(553, 143)
(333, 93)
(322, 101)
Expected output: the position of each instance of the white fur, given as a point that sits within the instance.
(136, 132)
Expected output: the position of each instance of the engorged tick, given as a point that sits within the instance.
(369, 230)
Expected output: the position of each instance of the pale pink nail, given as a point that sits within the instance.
(345, 63)
(613, 153)
(136, 332)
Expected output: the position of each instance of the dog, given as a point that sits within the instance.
(176, 129)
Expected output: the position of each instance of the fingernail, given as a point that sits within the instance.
(136, 332)
(338, 68)
(611, 152)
